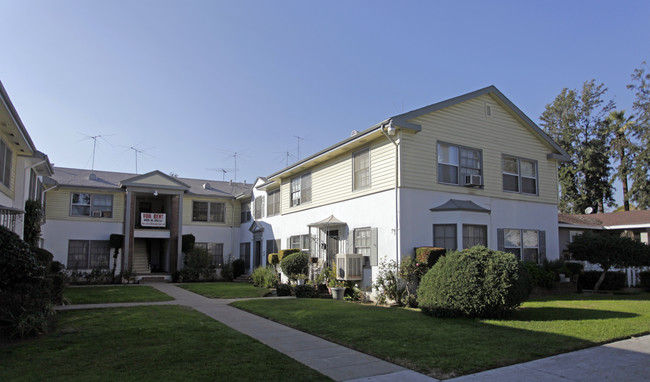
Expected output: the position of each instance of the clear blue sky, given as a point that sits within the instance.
(193, 82)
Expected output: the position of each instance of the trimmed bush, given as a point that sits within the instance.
(286, 252)
(540, 277)
(429, 255)
(273, 259)
(645, 280)
(238, 267)
(187, 242)
(283, 290)
(264, 277)
(305, 291)
(477, 282)
(613, 280)
(198, 265)
(294, 264)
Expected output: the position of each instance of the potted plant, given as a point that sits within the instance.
(338, 288)
(300, 278)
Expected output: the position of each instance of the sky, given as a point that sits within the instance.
(201, 88)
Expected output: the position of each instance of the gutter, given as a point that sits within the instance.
(388, 130)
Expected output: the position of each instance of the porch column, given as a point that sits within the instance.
(174, 233)
(130, 228)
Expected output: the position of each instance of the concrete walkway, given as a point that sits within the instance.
(627, 360)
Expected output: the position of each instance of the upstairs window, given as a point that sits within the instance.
(273, 207)
(245, 212)
(361, 169)
(301, 189)
(259, 207)
(5, 164)
(93, 205)
(519, 175)
(208, 212)
(455, 163)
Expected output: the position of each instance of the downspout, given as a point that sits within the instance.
(388, 130)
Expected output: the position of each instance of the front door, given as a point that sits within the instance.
(257, 256)
(332, 245)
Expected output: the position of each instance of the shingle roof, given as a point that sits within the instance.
(459, 205)
(609, 219)
(74, 177)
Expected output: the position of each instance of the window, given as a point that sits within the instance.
(88, 254)
(301, 189)
(362, 241)
(444, 236)
(259, 207)
(95, 205)
(456, 162)
(519, 175)
(526, 244)
(272, 246)
(5, 164)
(474, 235)
(300, 241)
(361, 169)
(215, 250)
(208, 212)
(273, 207)
(245, 212)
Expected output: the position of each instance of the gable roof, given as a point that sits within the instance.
(608, 220)
(156, 179)
(404, 122)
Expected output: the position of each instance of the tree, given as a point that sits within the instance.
(640, 174)
(609, 250)
(577, 121)
(33, 221)
(622, 149)
(116, 242)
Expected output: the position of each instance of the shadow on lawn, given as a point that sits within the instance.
(566, 314)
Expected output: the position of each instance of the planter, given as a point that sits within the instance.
(337, 293)
(300, 282)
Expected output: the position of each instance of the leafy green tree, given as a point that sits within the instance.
(33, 221)
(577, 121)
(640, 174)
(623, 149)
(609, 250)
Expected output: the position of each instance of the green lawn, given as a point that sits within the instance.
(445, 348)
(152, 343)
(112, 294)
(225, 290)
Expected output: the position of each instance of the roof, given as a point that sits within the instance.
(403, 121)
(108, 180)
(609, 220)
(459, 205)
(329, 221)
(17, 122)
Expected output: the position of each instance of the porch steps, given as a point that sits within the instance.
(245, 278)
(154, 278)
(140, 262)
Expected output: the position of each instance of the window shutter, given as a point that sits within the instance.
(288, 243)
(500, 238)
(542, 246)
(374, 258)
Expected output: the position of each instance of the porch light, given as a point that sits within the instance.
(155, 192)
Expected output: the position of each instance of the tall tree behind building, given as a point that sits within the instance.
(640, 173)
(578, 122)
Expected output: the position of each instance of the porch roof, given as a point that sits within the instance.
(330, 221)
(459, 205)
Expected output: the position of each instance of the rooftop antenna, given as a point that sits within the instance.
(94, 138)
(299, 139)
(223, 172)
(234, 154)
(137, 151)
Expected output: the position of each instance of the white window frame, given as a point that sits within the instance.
(361, 175)
(215, 250)
(96, 208)
(302, 242)
(520, 177)
(461, 170)
(445, 238)
(215, 211)
(482, 226)
(362, 241)
(246, 212)
(274, 202)
(91, 247)
(259, 207)
(301, 187)
(522, 247)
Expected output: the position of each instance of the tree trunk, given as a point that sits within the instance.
(626, 202)
(600, 281)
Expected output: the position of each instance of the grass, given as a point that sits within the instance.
(444, 348)
(151, 343)
(113, 294)
(225, 290)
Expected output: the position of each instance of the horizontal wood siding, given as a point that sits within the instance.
(58, 205)
(332, 180)
(466, 124)
(232, 213)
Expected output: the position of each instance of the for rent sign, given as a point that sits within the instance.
(148, 219)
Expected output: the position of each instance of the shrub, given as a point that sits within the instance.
(305, 291)
(428, 255)
(540, 277)
(273, 259)
(264, 277)
(187, 242)
(198, 264)
(612, 281)
(388, 284)
(226, 271)
(238, 268)
(410, 272)
(477, 282)
(286, 252)
(33, 219)
(294, 264)
(283, 290)
(575, 269)
(644, 281)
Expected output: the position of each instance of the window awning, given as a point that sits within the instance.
(327, 222)
(460, 205)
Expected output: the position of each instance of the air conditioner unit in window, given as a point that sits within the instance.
(349, 266)
(97, 214)
(472, 180)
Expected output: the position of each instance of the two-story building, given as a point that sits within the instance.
(22, 167)
(470, 170)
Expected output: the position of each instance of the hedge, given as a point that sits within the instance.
(613, 280)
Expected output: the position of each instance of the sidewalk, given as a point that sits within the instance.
(627, 360)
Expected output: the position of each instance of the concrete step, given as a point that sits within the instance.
(245, 278)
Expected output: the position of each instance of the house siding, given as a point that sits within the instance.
(466, 124)
(332, 180)
(58, 205)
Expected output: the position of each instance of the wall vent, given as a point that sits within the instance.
(488, 110)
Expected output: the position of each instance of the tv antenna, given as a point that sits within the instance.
(299, 139)
(234, 154)
(95, 138)
(285, 155)
(137, 151)
(223, 172)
